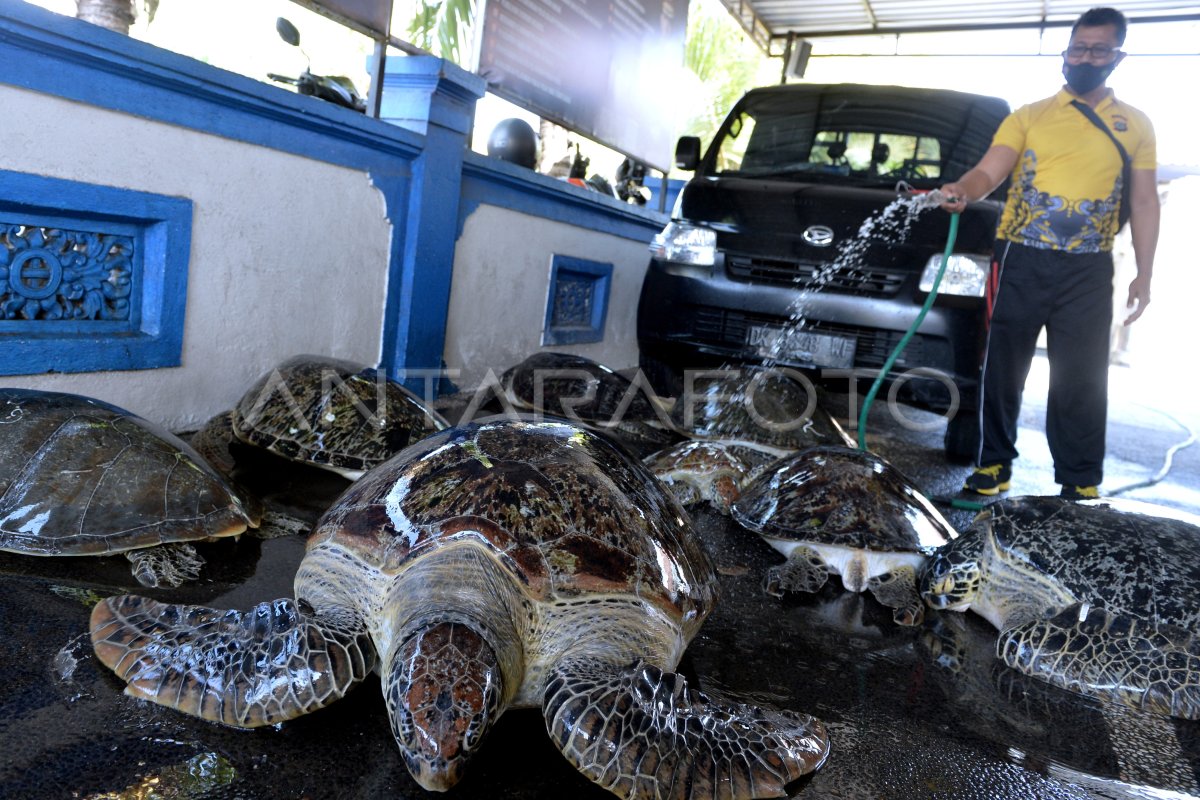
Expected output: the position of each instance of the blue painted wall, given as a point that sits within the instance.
(417, 157)
(91, 278)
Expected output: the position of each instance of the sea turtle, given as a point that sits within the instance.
(1100, 597)
(498, 564)
(849, 512)
(706, 471)
(768, 410)
(80, 477)
(326, 412)
(586, 392)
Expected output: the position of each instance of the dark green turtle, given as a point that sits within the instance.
(326, 412)
(586, 392)
(763, 409)
(1100, 597)
(500, 564)
(80, 477)
(847, 512)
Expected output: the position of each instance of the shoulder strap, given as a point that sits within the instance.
(1094, 118)
(1126, 162)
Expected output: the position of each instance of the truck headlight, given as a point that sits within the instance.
(687, 244)
(965, 275)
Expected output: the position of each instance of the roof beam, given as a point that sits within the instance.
(950, 28)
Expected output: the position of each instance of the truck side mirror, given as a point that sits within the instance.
(687, 152)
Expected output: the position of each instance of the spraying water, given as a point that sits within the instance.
(890, 224)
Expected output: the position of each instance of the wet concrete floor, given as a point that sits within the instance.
(912, 713)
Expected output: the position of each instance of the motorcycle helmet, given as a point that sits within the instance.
(514, 141)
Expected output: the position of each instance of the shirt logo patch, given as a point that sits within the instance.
(1120, 124)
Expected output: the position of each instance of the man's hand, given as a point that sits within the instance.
(955, 196)
(1139, 297)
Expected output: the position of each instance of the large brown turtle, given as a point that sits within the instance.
(500, 564)
(81, 477)
(327, 412)
(834, 510)
(1099, 597)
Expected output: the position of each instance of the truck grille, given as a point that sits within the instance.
(857, 280)
(728, 329)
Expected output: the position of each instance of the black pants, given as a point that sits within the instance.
(1070, 294)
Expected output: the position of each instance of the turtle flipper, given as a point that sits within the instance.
(805, 571)
(245, 669)
(165, 564)
(898, 591)
(1110, 656)
(642, 733)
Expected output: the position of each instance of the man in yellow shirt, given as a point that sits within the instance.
(1053, 264)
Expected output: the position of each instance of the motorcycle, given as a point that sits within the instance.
(336, 89)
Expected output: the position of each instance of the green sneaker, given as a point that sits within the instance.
(989, 480)
(1072, 492)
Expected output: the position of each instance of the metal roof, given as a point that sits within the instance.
(772, 21)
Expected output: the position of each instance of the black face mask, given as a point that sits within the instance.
(1084, 76)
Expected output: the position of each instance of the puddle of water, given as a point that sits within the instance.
(195, 778)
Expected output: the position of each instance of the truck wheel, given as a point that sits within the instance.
(962, 437)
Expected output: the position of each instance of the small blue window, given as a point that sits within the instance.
(577, 302)
(91, 277)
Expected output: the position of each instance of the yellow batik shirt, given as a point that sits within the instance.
(1066, 187)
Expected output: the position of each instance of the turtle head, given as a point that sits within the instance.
(443, 688)
(950, 577)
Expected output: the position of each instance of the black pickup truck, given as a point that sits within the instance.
(768, 230)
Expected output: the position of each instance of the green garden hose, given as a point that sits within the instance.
(862, 417)
(967, 505)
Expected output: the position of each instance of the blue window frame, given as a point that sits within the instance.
(577, 301)
(91, 277)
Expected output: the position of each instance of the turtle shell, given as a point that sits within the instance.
(333, 414)
(81, 477)
(575, 387)
(840, 496)
(1126, 557)
(760, 407)
(567, 511)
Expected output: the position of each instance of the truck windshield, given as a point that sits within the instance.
(774, 144)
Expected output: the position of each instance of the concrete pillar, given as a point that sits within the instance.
(435, 98)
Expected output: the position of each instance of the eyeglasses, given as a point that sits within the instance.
(1100, 52)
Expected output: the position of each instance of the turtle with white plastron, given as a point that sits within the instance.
(834, 510)
(499, 564)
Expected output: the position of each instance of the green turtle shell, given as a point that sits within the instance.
(567, 511)
(81, 477)
(562, 384)
(840, 496)
(763, 408)
(1127, 558)
(332, 413)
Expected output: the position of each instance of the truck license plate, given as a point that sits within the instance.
(804, 348)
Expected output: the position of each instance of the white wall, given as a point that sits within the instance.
(288, 255)
(498, 296)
